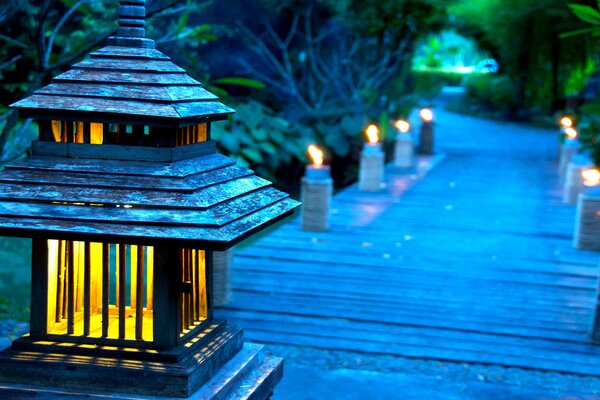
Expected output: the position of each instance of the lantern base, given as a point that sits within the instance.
(91, 369)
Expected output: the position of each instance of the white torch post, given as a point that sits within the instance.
(587, 220)
(372, 159)
(404, 149)
(317, 189)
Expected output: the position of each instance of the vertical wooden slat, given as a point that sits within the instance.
(71, 290)
(60, 281)
(167, 287)
(139, 288)
(150, 278)
(194, 279)
(87, 283)
(39, 289)
(199, 281)
(105, 287)
(122, 288)
(184, 301)
(87, 135)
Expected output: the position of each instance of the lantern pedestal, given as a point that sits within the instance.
(587, 220)
(403, 151)
(568, 150)
(426, 138)
(595, 331)
(370, 177)
(249, 374)
(222, 264)
(573, 181)
(317, 189)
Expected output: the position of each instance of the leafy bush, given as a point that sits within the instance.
(429, 83)
(589, 130)
(496, 93)
(256, 137)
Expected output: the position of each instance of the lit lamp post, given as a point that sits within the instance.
(317, 189)
(404, 149)
(126, 200)
(426, 132)
(372, 158)
(569, 146)
(587, 220)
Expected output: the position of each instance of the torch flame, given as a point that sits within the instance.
(591, 176)
(316, 154)
(373, 133)
(571, 133)
(402, 126)
(426, 115)
(566, 122)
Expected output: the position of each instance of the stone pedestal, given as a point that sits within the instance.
(573, 183)
(426, 138)
(595, 330)
(567, 152)
(316, 203)
(587, 220)
(250, 374)
(222, 264)
(404, 151)
(370, 176)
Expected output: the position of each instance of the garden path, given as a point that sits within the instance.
(472, 262)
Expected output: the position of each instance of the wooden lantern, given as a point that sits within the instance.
(126, 199)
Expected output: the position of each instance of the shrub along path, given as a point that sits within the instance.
(472, 264)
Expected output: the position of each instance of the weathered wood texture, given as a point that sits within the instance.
(473, 264)
(203, 199)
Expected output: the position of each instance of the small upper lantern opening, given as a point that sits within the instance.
(426, 115)
(136, 135)
(372, 133)
(402, 125)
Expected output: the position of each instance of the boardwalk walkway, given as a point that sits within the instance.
(473, 263)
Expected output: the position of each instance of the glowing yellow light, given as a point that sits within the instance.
(316, 154)
(402, 126)
(591, 176)
(372, 133)
(566, 122)
(426, 115)
(571, 133)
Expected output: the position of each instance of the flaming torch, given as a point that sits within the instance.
(317, 189)
(404, 149)
(372, 158)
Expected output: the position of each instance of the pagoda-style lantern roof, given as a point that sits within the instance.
(125, 151)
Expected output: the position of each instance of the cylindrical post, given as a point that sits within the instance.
(71, 288)
(426, 138)
(370, 177)
(573, 182)
(567, 152)
(587, 220)
(222, 264)
(316, 192)
(404, 151)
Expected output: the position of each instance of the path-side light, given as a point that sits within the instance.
(571, 133)
(591, 176)
(404, 147)
(317, 189)
(426, 138)
(568, 149)
(372, 159)
(126, 199)
(566, 122)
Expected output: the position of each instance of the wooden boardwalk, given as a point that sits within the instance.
(472, 262)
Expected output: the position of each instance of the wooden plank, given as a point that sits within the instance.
(39, 289)
(105, 288)
(125, 77)
(151, 66)
(128, 52)
(166, 294)
(139, 290)
(87, 283)
(70, 256)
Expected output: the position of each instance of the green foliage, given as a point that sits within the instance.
(523, 35)
(496, 93)
(429, 83)
(589, 132)
(256, 137)
(447, 51)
